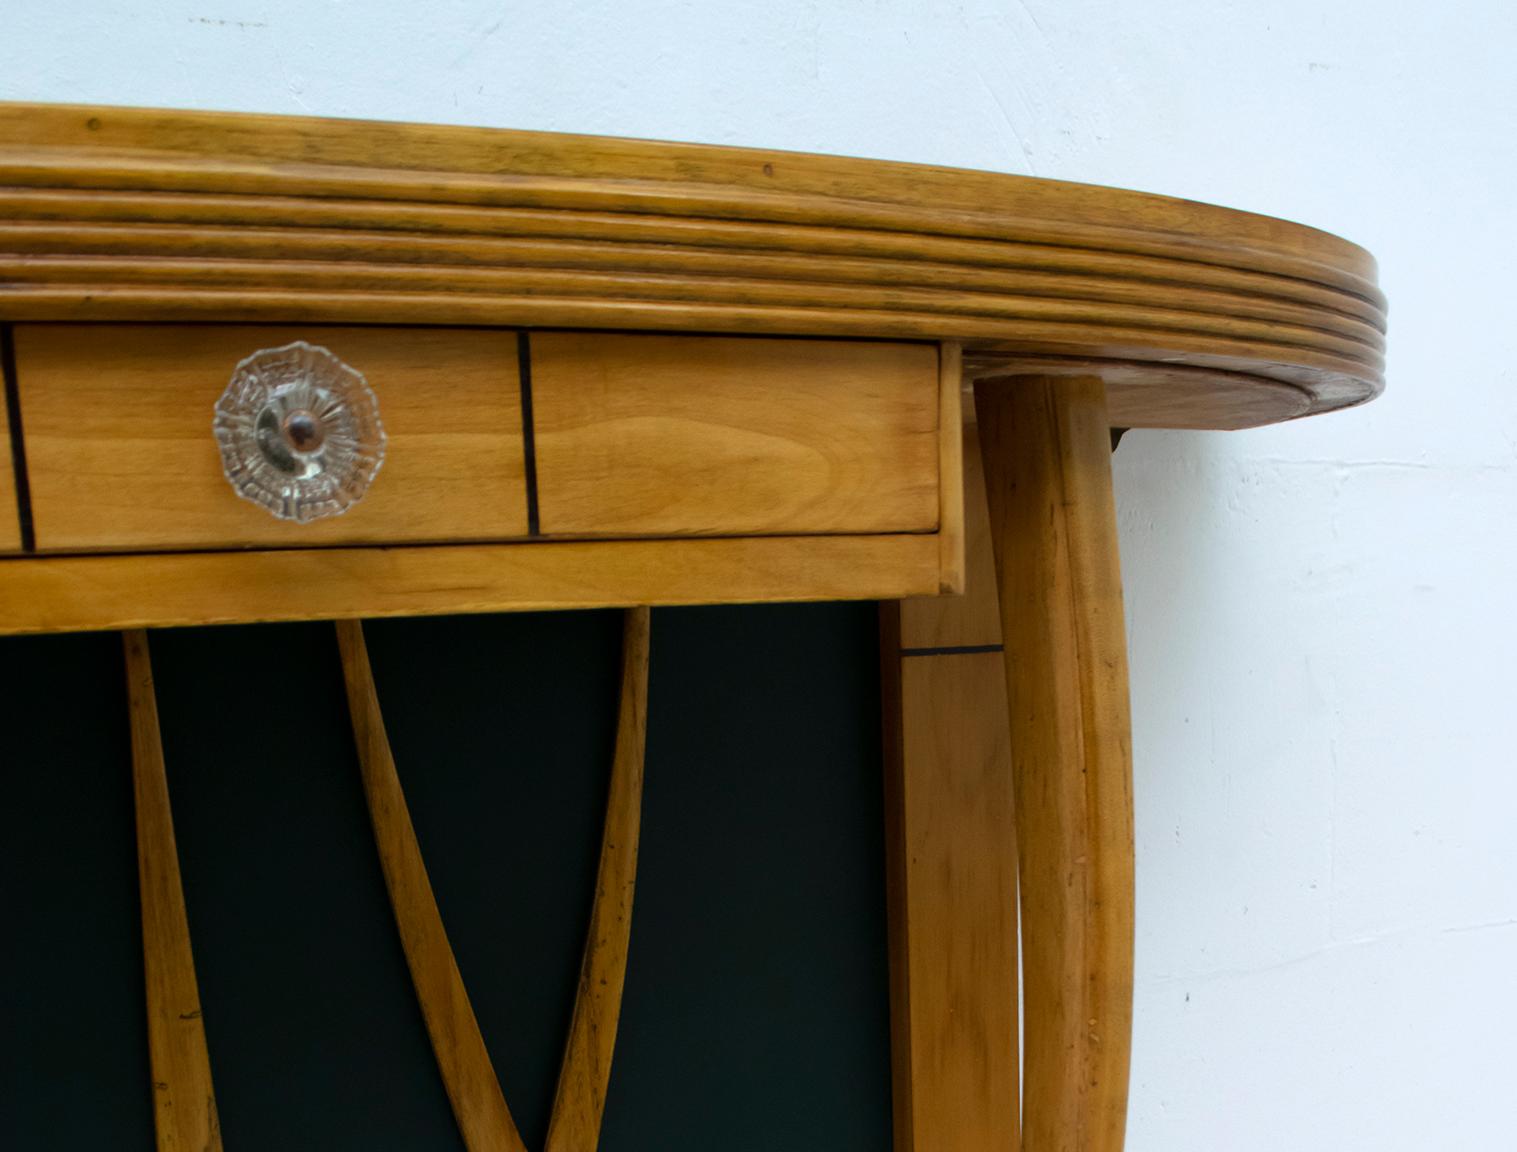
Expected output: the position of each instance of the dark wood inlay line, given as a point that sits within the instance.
(953, 650)
(528, 433)
(18, 444)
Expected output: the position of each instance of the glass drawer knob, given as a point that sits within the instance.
(299, 432)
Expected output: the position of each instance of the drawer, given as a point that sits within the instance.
(121, 454)
(649, 435)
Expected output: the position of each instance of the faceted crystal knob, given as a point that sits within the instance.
(299, 432)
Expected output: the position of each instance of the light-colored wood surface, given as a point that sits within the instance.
(469, 1078)
(1046, 450)
(10, 520)
(952, 856)
(649, 435)
(1163, 395)
(580, 1099)
(121, 455)
(972, 619)
(109, 213)
(184, 1103)
(951, 526)
(77, 593)
(953, 904)
(111, 147)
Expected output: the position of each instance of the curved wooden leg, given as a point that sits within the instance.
(468, 1077)
(1046, 450)
(581, 1096)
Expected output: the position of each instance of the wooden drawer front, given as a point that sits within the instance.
(692, 435)
(121, 455)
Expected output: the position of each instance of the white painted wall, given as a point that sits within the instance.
(1320, 613)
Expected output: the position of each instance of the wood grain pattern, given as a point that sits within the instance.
(952, 856)
(110, 147)
(10, 520)
(131, 214)
(580, 1099)
(184, 1102)
(953, 902)
(121, 454)
(951, 524)
(1046, 448)
(1164, 395)
(74, 593)
(468, 1076)
(974, 618)
(335, 233)
(668, 435)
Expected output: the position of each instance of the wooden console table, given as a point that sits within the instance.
(621, 373)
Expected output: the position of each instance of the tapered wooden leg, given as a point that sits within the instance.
(184, 1104)
(1046, 450)
(580, 1100)
(468, 1077)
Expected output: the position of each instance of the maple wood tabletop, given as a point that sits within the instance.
(1194, 315)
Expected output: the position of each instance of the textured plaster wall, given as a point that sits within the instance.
(1320, 613)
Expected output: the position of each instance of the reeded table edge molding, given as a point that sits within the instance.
(132, 214)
